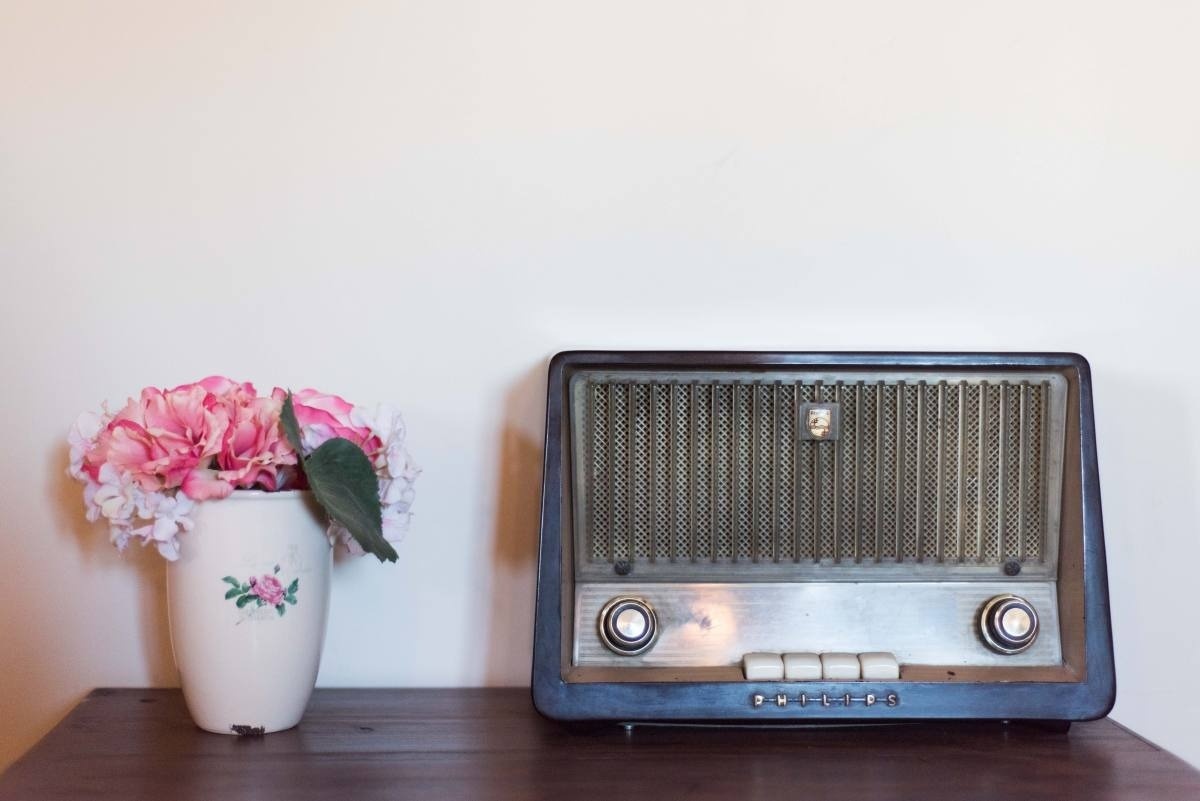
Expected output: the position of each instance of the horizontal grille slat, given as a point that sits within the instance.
(715, 471)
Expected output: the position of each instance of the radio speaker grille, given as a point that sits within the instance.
(713, 471)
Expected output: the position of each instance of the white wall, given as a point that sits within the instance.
(421, 201)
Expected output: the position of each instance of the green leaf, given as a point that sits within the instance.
(261, 602)
(291, 426)
(232, 580)
(281, 609)
(291, 599)
(344, 483)
(245, 599)
(295, 585)
(233, 592)
(245, 588)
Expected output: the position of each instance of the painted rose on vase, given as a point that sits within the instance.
(261, 594)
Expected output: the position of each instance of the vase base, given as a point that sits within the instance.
(245, 730)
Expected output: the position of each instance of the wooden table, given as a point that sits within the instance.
(489, 743)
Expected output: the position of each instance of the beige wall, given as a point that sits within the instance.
(420, 201)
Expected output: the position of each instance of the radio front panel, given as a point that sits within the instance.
(705, 625)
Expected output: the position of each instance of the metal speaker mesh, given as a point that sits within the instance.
(711, 470)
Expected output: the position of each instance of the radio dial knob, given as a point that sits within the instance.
(1009, 624)
(627, 626)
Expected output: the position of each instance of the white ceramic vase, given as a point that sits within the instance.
(248, 599)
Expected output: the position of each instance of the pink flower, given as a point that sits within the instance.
(268, 588)
(161, 438)
(323, 417)
(221, 386)
(204, 484)
(82, 438)
(254, 451)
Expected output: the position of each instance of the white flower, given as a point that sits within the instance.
(116, 496)
(124, 504)
(384, 421)
(118, 499)
(395, 522)
(394, 469)
(339, 533)
(170, 515)
(81, 438)
(89, 499)
(119, 535)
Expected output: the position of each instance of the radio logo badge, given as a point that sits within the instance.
(820, 421)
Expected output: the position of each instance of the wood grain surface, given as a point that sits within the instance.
(434, 744)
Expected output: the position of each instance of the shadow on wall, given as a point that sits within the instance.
(515, 536)
(51, 662)
(147, 568)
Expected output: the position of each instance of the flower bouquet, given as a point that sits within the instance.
(245, 496)
(145, 466)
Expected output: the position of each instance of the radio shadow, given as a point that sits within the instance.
(515, 532)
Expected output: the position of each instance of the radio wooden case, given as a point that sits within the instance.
(820, 537)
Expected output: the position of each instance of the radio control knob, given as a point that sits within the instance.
(1009, 624)
(627, 626)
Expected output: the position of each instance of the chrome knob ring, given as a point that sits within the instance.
(628, 626)
(1008, 624)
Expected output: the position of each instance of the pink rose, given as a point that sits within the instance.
(254, 451)
(204, 484)
(188, 423)
(219, 386)
(323, 417)
(161, 438)
(268, 588)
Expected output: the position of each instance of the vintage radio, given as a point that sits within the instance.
(795, 537)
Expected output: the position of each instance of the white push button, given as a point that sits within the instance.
(801, 667)
(762, 667)
(840, 666)
(1015, 623)
(631, 623)
(879, 665)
